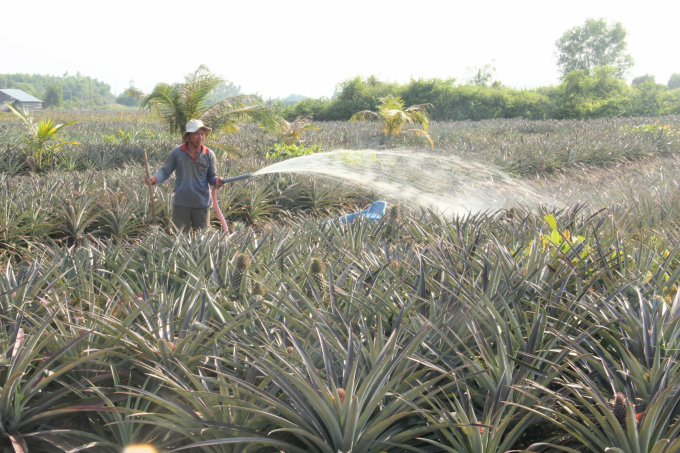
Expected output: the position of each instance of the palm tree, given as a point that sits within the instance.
(43, 139)
(176, 104)
(393, 116)
(290, 133)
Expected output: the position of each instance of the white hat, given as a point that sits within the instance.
(193, 126)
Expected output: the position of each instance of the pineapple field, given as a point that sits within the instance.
(532, 328)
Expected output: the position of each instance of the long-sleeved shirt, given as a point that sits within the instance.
(193, 176)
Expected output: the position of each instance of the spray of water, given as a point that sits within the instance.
(444, 184)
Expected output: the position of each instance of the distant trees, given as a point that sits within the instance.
(293, 99)
(582, 94)
(223, 91)
(481, 76)
(642, 79)
(594, 44)
(77, 90)
(125, 99)
(26, 88)
(53, 97)
(674, 81)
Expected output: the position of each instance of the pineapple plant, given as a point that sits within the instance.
(242, 263)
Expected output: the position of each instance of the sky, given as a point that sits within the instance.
(277, 48)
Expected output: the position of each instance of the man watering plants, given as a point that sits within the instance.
(194, 165)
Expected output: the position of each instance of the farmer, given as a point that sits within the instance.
(195, 167)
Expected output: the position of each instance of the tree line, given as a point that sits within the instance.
(582, 94)
(592, 62)
(67, 90)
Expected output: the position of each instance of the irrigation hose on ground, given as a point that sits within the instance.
(225, 228)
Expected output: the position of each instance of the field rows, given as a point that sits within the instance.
(519, 147)
(549, 328)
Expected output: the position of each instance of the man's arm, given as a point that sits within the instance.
(166, 170)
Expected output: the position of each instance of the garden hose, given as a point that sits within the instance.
(217, 209)
(225, 228)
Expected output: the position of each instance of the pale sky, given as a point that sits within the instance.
(306, 47)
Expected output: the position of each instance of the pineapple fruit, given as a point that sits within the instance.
(341, 394)
(257, 292)
(69, 209)
(242, 264)
(316, 273)
(22, 274)
(316, 270)
(619, 408)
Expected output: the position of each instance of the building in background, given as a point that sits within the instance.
(21, 99)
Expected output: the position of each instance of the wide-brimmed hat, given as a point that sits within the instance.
(193, 126)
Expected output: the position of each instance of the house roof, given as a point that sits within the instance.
(19, 95)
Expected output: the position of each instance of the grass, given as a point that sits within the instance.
(490, 332)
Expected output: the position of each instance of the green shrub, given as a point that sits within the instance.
(282, 151)
(582, 94)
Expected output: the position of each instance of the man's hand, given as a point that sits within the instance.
(149, 180)
(218, 183)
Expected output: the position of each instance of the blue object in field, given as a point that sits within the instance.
(373, 213)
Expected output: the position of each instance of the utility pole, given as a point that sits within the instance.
(70, 96)
(89, 85)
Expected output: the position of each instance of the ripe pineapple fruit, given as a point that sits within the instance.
(242, 264)
(619, 408)
(341, 394)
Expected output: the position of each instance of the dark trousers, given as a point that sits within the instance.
(195, 218)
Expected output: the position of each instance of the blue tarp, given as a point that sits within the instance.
(373, 213)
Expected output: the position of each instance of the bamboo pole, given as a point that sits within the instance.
(153, 206)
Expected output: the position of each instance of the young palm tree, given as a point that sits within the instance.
(178, 103)
(393, 116)
(290, 133)
(43, 139)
